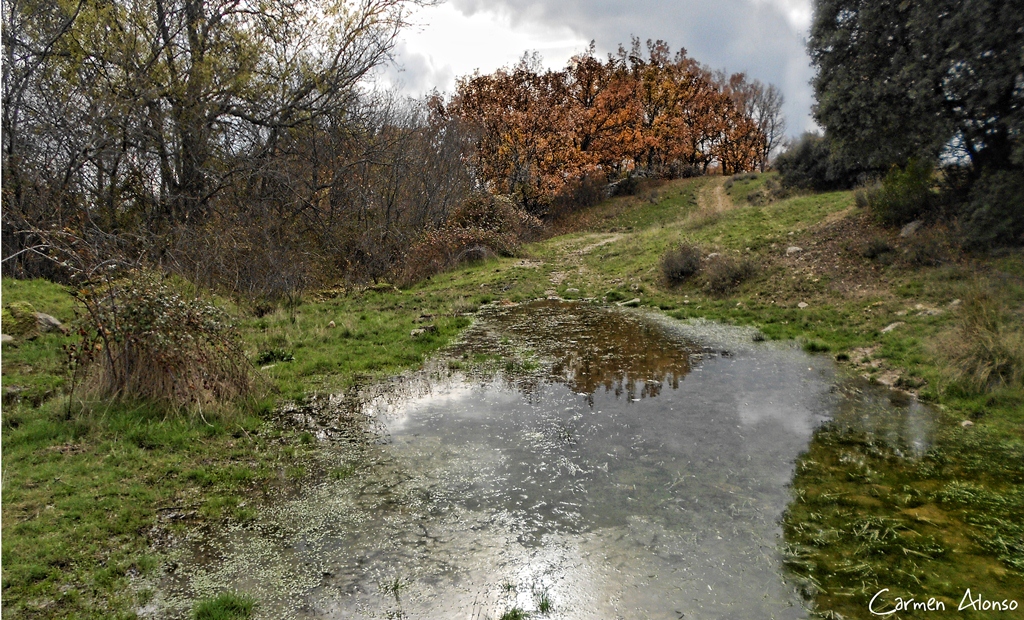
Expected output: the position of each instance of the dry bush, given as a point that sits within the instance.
(680, 263)
(986, 349)
(724, 273)
(875, 247)
(482, 226)
(146, 341)
(928, 248)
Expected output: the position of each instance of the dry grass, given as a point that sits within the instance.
(146, 341)
(986, 348)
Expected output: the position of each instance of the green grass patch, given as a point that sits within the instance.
(226, 606)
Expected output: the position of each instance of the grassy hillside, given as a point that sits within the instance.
(88, 490)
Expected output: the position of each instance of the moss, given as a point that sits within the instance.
(20, 320)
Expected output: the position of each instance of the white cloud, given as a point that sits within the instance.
(763, 38)
(445, 43)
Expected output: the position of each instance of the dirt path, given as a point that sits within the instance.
(572, 260)
(712, 197)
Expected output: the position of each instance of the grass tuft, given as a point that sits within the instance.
(226, 606)
(985, 350)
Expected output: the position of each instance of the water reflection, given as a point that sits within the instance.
(595, 346)
(657, 496)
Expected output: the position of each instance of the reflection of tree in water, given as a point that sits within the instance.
(594, 346)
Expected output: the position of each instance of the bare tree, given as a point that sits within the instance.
(766, 110)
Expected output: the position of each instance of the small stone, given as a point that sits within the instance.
(954, 303)
(550, 292)
(331, 325)
(572, 290)
(632, 303)
(888, 328)
(417, 332)
(713, 255)
(802, 305)
(49, 324)
(791, 250)
(6, 338)
(967, 424)
(911, 228)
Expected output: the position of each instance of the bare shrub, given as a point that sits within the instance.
(724, 274)
(875, 248)
(144, 340)
(928, 248)
(481, 226)
(680, 263)
(986, 349)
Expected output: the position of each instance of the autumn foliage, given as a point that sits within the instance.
(539, 134)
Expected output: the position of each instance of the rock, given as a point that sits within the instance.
(331, 325)
(572, 290)
(22, 324)
(802, 305)
(6, 338)
(49, 323)
(911, 228)
(888, 328)
(632, 303)
(967, 424)
(791, 250)
(550, 292)
(713, 255)
(955, 303)
(426, 329)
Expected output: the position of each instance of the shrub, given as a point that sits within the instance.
(770, 191)
(482, 226)
(580, 194)
(627, 186)
(994, 214)
(927, 248)
(905, 194)
(986, 349)
(146, 341)
(680, 263)
(875, 247)
(725, 273)
(810, 164)
(864, 195)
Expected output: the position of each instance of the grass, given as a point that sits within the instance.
(226, 606)
(86, 486)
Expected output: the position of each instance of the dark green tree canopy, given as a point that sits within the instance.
(897, 80)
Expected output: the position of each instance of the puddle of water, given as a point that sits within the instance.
(639, 472)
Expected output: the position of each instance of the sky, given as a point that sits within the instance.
(762, 38)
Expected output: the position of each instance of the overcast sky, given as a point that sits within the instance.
(763, 38)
